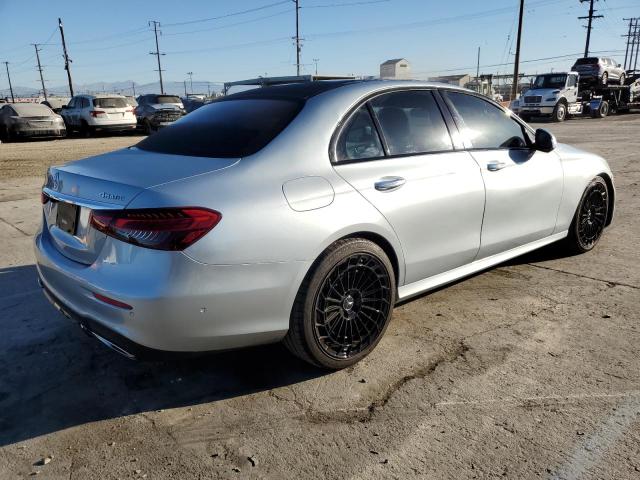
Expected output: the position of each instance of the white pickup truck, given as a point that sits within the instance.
(553, 95)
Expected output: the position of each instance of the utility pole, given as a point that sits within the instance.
(636, 40)
(66, 57)
(516, 66)
(185, 87)
(157, 53)
(478, 71)
(297, 2)
(6, 64)
(590, 17)
(628, 36)
(190, 80)
(44, 89)
(316, 60)
(208, 89)
(133, 87)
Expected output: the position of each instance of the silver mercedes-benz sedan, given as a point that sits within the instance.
(303, 213)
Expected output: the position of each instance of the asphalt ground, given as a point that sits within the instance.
(528, 370)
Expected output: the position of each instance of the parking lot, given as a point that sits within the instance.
(528, 370)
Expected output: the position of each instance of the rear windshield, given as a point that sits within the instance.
(32, 110)
(115, 102)
(225, 129)
(587, 61)
(167, 99)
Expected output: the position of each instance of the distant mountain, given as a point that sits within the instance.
(123, 88)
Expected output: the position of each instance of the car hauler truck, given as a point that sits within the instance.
(560, 95)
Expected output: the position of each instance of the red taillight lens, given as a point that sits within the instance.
(96, 113)
(44, 198)
(133, 110)
(158, 228)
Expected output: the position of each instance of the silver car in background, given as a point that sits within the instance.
(303, 213)
(29, 120)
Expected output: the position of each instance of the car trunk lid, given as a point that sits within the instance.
(108, 181)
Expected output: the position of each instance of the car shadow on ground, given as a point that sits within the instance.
(53, 376)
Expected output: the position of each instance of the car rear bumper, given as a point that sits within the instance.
(178, 305)
(114, 127)
(40, 132)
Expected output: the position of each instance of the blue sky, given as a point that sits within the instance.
(110, 41)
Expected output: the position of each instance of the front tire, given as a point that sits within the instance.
(590, 217)
(343, 306)
(559, 112)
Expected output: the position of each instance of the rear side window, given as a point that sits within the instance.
(225, 129)
(359, 139)
(484, 125)
(411, 122)
(115, 102)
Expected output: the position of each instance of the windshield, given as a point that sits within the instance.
(550, 81)
(115, 102)
(32, 110)
(168, 99)
(587, 61)
(225, 129)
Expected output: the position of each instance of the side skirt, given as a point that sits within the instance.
(421, 286)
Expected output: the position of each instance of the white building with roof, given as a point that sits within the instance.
(396, 68)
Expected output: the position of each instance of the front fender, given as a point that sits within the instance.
(579, 168)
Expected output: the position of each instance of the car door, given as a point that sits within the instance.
(397, 152)
(571, 93)
(523, 185)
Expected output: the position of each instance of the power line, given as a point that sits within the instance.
(590, 17)
(227, 15)
(157, 52)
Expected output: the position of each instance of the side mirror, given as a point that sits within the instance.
(619, 65)
(545, 141)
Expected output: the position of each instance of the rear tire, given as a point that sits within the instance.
(85, 130)
(590, 217)
(343, 306)
(602, 111)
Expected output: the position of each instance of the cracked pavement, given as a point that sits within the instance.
(528, 370)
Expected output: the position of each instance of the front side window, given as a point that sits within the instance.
(359, 139)
(84, 102)
(411, 122)
(484, 125)
(225, 129)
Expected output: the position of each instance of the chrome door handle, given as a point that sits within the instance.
(495, 166)
(387, 184)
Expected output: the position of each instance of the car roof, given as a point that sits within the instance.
(306, 90)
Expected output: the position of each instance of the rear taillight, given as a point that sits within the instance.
(97, 113)
(44, 198)
(132, 110)
(157, 228)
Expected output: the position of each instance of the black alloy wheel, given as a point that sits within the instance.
(591, 217)
(352, 306)
(343, 306)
